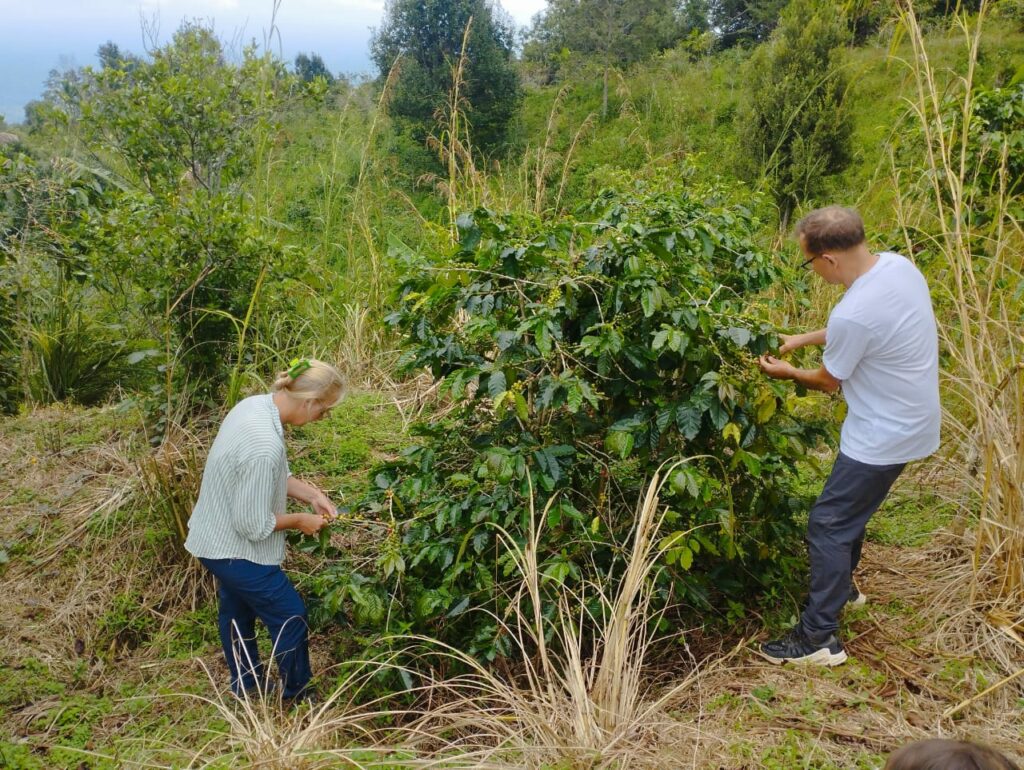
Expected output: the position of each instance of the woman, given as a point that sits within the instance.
(237, 526)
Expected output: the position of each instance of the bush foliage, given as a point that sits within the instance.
(580, 356)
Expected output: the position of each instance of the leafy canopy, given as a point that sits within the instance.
(796, 128)
(424, 39)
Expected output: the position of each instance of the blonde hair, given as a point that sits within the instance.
(319, 382)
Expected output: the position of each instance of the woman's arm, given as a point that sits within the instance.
(307, 523)
(305, 492)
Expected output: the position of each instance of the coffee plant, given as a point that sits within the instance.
(580, 356)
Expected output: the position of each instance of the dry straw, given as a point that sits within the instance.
(979, 323)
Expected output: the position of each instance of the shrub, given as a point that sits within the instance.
(796, 128)
(74, 357)
(580, 356)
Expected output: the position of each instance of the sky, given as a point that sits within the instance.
(37, 36)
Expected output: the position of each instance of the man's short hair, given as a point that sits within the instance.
(831, 228)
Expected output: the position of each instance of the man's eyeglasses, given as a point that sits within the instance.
(807, 262)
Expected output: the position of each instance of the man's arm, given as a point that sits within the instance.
(791, 342)
(815, 379)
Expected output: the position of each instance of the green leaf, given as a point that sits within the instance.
(543, 337)
(685, 557)
(521, 408)
(496, 383)
(574, 398)
(556, 572)
(751, 461)
(619, 442)
(461, 606)
(650, 301)
(683, 482)
(705, 239)
(737, 334)
(765, 407)
(139, 355)
(688, 421)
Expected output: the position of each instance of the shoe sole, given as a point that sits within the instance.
(860, 601)
(820, 657)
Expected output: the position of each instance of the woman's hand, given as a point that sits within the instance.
(323, 506)
(306, 523)
(310, 523)
(305, 492)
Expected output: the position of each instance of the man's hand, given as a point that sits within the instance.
(790, 342)
(776, 369)
(815, 379)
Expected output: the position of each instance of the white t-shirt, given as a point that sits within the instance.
(881, 342)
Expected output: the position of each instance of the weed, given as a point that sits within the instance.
(126, 625)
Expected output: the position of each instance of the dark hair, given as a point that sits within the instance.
(940, 754)
(833, 227)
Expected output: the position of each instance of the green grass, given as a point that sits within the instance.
(339, 450)
(910, 517)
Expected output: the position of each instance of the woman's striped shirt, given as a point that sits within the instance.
(244, 487)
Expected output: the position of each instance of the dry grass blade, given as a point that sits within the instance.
(979, 320)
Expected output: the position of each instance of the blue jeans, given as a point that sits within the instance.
(835, 535)
(248, 591)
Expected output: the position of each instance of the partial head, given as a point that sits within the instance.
(829, 236)
(833, 228)
(309, 388)
(941, 754)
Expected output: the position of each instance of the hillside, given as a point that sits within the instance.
(532, 338)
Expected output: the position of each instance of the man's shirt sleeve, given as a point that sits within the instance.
(845, 345)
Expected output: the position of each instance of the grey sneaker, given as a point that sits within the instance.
(795, 647)
(857, 599)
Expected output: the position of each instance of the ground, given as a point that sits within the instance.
(111, 658)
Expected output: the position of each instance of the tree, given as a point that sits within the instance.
(111, 57)
(310, 67)
(795, 128)
(178, 138)
(615, 32)
(426, 35)
(740, 22)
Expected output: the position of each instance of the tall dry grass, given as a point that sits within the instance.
(976, 259)
(581, 696)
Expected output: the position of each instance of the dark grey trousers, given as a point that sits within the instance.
(835, 534)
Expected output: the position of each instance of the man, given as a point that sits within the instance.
(881, 348)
